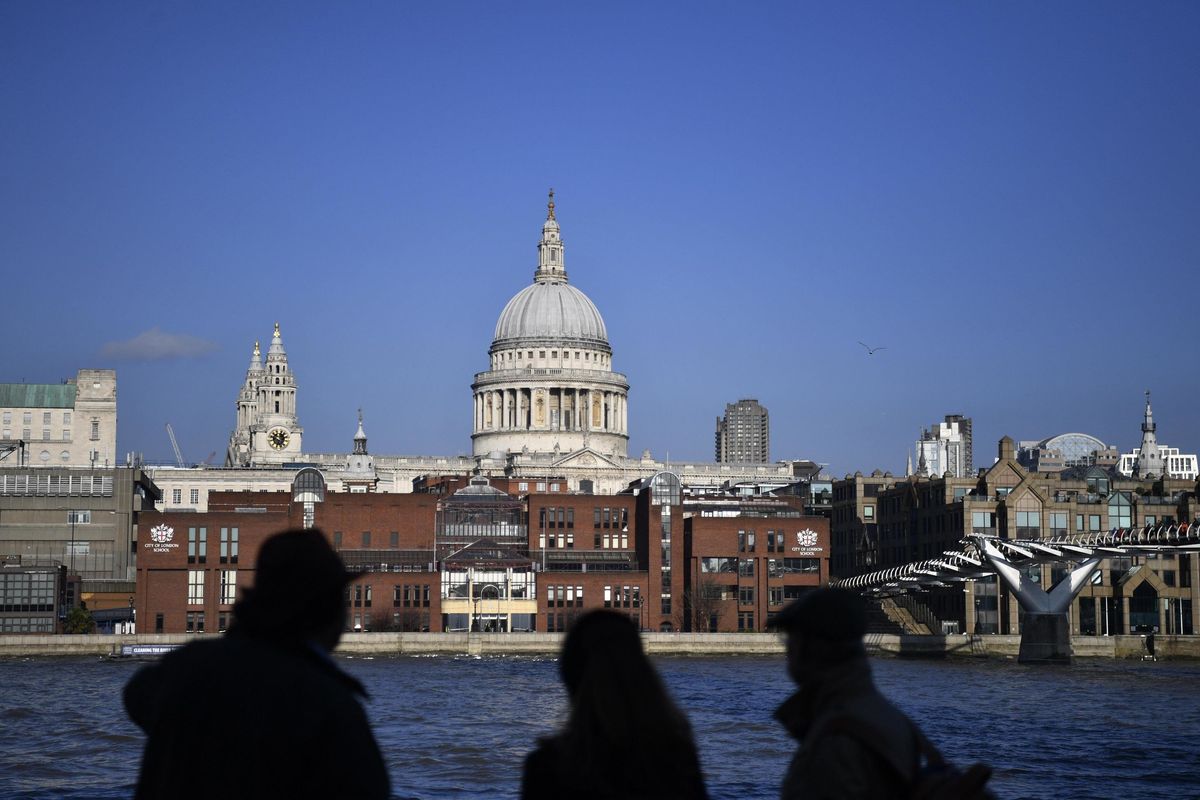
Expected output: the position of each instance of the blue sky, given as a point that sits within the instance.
(1006, 196)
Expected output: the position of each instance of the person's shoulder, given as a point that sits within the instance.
(540, 774)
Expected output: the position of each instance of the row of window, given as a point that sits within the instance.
(365, 539)
(54, 484)
(776, 567)
(566, 354)
(562, 596)
(748, 541)
(228, 587)
(1029, 523)
(193, 496)
(622, 597)
(411, 595)
(523, 486)
(27, 435)
(197, 552)
(358, 595)
(39, 624)
(27, 417)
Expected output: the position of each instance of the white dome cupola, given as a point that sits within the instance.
(550, 384)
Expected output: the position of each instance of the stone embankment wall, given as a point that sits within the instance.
(683, 644)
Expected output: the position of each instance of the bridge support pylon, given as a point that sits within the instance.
(1045, 630)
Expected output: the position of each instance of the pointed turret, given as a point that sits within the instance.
(551, 268)
(1149, 461)
(360, 475)
(256, 363)
(360, 438)
(276, 344)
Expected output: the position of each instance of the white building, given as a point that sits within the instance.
(73, 423)
(945, 447)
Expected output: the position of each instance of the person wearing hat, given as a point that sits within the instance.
(853, 742)
(263, 711)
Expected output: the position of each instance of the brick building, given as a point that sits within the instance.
(479, 558)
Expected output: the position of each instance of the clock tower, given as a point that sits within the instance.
(268, 431)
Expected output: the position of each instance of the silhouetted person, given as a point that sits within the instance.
(838, 708)
(263, 711)
(624, 738)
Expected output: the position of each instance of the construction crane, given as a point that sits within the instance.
(175, 446)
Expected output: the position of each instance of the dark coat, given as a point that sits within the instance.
(551, 774)
(236, 717)
(832, 763)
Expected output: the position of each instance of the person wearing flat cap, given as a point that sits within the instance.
(263, 711)
(837, 709)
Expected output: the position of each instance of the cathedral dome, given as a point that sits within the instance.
(550, 312)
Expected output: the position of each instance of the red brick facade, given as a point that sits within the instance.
(669, 562)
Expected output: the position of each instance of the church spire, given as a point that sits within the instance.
(1149, 461)
(551, 268)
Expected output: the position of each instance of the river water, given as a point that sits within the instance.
(460, 726)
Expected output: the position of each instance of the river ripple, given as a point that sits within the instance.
(460, 727)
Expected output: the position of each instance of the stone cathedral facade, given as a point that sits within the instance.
(550, 408)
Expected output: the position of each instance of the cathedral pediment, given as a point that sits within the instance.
(586, 458)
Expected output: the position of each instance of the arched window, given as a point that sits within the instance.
(308, 486)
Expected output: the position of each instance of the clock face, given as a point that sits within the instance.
(278, 438)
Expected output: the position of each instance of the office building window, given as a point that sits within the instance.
(745, 620)
(229, 545)
(366, 538)
(95, 429)
(195, 595)
(197, 545)
(158, 622)
(1029, 524)
(176, 496)
(66, 418)
(228, 586)
(195, 622)
(394, 539)
(746, 595)
(194, 496)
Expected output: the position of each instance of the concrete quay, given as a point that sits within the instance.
(665, 644)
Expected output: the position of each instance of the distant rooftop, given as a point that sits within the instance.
(37, 395)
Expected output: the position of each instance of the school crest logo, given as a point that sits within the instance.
(806, 538)
(162, 533)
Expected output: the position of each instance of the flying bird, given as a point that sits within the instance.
(871, 350)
